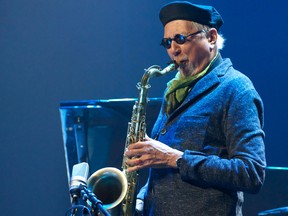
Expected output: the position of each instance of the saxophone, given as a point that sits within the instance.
(111, 185)
(137, 131)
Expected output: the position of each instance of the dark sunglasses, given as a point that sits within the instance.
(178, 38)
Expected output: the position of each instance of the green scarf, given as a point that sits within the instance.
(179, 87)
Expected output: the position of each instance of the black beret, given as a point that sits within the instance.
(184, 10)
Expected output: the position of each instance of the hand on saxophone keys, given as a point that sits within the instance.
(151, 153)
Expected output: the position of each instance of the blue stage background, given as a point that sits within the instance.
(57, 50)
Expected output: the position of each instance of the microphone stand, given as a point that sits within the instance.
(96, 203)
(79, 205)
(81, 191)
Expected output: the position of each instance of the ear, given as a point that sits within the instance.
(212, 37)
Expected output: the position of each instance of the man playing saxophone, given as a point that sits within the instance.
(206, 148)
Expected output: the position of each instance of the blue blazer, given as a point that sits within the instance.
(219, 127)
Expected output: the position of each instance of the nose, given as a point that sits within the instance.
(175, 49)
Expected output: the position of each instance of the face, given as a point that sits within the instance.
(198, 50)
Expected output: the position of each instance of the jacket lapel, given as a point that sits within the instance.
(202, 87)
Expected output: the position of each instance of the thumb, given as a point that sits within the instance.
(147, 138)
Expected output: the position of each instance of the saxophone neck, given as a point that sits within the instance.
(156, 71)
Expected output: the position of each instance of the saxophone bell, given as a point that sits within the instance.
(110, 185)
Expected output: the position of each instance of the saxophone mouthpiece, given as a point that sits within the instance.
(175, 64)
(171, 67)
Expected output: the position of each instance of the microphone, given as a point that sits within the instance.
(78, 188)
(78, 181)
(79, 177)
(80, 174)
